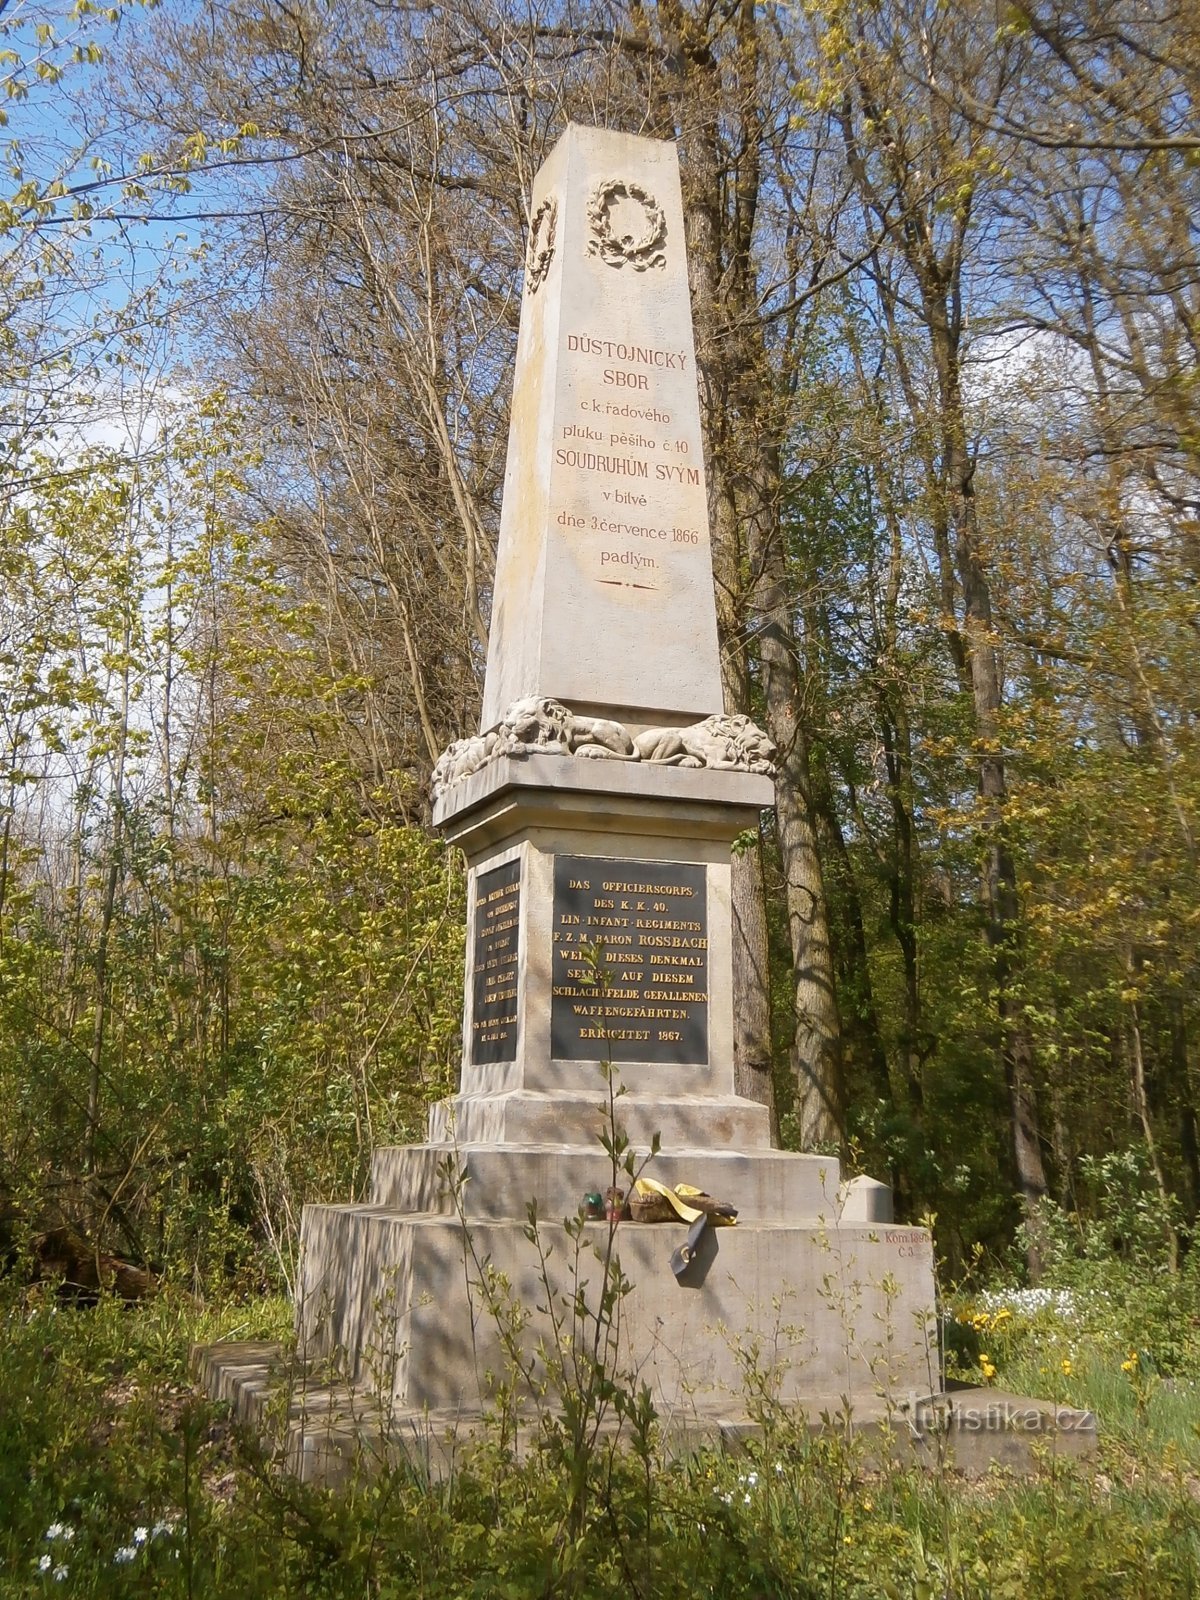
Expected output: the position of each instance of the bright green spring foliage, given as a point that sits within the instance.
(229, 963)
(118, 1480)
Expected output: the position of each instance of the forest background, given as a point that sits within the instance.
(260, 271)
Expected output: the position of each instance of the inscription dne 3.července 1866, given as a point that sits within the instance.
(629, 484)
(643, 994)
(497, 919)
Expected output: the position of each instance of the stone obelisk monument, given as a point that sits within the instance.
(597, 808)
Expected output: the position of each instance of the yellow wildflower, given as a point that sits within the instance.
(986, 1367)
(1067, 1368)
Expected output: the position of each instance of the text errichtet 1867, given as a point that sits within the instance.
(630, 961)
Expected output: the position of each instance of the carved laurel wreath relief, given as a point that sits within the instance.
(640, 251)
(541, 243)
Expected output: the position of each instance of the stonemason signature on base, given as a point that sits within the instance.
(597, 808)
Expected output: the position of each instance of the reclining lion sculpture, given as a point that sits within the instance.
(541, 726)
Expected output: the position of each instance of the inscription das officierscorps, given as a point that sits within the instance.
(630, 961)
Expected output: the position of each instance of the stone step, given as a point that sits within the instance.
(417, 1306)
(337, 1435)
(497, 1183)
(523, 1117)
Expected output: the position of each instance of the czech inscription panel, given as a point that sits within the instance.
(644, 996)
(629, 486)
(497, 922)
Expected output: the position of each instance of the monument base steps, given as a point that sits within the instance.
(411, 1292)
(329, 1434)
(418, 1315)
(483, 1182)
(524, 1117)
(815, 1299)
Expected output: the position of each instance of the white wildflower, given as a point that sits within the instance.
(59, 1574)
(1028, 1302)
(44, 1564)
(140, 1535)
(127, 1552)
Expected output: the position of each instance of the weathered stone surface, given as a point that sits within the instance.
(828, 1309)
(538, 790)
(682, 1122)
(597, 813)
(603, 594)
(545, 727)
(864, 1199)
(980, 1429)
(493, 1184)
(330, 1433)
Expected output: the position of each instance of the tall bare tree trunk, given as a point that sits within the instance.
(752, 1060)
(816, 1053)
(694, 113)
(744, 419)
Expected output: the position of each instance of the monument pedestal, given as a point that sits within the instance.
(597, 808)
(598, 949)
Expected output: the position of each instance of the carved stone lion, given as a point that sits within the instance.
(541, 726)
(536, 724)
(729, 744)
(596, 736)
(459, 760)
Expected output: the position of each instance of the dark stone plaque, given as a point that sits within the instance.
(497, 921)
(643, 996)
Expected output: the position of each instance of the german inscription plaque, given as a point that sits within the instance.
(645, 995)
(497, 921)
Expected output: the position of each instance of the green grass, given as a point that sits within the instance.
(147, 1490)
